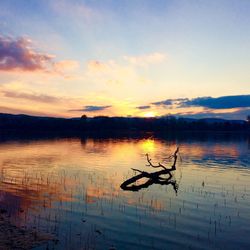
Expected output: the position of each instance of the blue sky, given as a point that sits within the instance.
(123, 55)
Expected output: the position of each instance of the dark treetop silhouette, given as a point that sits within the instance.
(153, 178)
(26, 123)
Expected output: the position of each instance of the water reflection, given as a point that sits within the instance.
(148, 145)
(70, 187)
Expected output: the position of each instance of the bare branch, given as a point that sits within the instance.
(175, 155)
(154, 166)
(158, 177)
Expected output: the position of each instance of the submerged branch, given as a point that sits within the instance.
(153, 178)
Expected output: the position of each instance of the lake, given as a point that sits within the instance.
(70, 188)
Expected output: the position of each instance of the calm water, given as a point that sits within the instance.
(71, 188)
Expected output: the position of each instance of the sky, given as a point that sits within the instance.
(66, 58)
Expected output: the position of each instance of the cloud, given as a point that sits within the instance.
(30, 96)
(92, 108)
(170, 102)
(223, 102)
(66, 65)
(111, 72)
(17, 54)
(167, 102)
(145, 60)
(143, 107)
(116, 73)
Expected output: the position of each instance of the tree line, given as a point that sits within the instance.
(100, 123)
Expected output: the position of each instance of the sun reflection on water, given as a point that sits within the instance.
(148, 145)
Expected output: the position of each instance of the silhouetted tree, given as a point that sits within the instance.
(84, 117)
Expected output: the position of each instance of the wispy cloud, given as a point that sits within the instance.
(29, 96)
(169, 102)
(91, 108)
(17, 54)
(147, 59)
(66, 65)
(111, 72)
(143, 107)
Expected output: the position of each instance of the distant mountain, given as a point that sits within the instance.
(207, 120)
(24, 116)
(219, 120)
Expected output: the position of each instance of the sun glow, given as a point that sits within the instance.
(149, 114)
(148, 145)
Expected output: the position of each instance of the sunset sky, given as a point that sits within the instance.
(125, 58)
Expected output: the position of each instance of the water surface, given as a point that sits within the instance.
(70, 187)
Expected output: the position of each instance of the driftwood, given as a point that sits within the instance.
(155, 177)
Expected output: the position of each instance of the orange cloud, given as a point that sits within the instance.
(66, 65)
